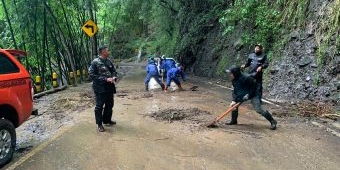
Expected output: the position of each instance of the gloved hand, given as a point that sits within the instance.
(245, 97)
(232, 104)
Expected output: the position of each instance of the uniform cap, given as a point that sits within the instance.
(258, 45)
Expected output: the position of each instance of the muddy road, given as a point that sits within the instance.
(157, 130)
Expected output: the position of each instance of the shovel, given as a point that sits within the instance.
(212, 124)
(193, 87)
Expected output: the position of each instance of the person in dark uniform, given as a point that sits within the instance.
(104, 76)
(152, 72)
(245, 89)
(257, 61)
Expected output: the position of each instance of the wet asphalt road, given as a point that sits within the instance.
(140, 142)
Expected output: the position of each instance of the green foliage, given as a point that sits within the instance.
(222, 66)
(271, 21)
(167, 27)
(260, 16)
(50, 32)
(328, 32)
(293, 13)
(316, 79)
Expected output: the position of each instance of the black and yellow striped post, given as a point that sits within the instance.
(38, 83)
(84, 74)
(54, 80)
(78, 76)
(72, 78)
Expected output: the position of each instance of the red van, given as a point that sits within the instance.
(16, 100)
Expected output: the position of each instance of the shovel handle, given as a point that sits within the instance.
(226, 112)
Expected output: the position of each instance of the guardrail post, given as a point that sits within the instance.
(72, 78)
(54, 80)
(38, 83)
(78, 76)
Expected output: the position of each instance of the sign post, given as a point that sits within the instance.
(90, 28)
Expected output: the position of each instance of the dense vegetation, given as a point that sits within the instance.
(51, 30)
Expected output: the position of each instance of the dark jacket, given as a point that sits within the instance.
(254, 61)
(243, 84)
(100, 70)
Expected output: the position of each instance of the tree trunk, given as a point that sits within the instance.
(22, 36)
(63, 39)
(10, 25)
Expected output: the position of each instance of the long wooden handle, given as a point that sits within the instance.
(226, 112)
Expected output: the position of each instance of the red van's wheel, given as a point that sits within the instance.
(7, 141)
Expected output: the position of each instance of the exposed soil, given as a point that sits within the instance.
(193, 118)
(192, 114)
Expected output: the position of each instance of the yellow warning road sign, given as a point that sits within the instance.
(90, 28)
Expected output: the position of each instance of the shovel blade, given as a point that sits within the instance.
(211, 124)
(223, 114)
(193, 88)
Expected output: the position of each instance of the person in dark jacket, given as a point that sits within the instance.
(152, 72)
(245, 89)
(104, 76)
(172, 75)
(256, 62)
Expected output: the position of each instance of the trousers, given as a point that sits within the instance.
(103, 109)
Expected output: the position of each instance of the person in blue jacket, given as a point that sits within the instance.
(172, 74)
(169, 64)
(166, 65)
(152, 72)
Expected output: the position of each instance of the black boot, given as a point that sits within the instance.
(163, 87)
(273, 122)
(146, 88)
(234, 116)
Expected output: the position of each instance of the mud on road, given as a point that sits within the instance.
(168, 129)
(55, 111)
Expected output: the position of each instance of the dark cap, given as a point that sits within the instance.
(101, 48)
(235, 70)
(258, 45)
(231, 68)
